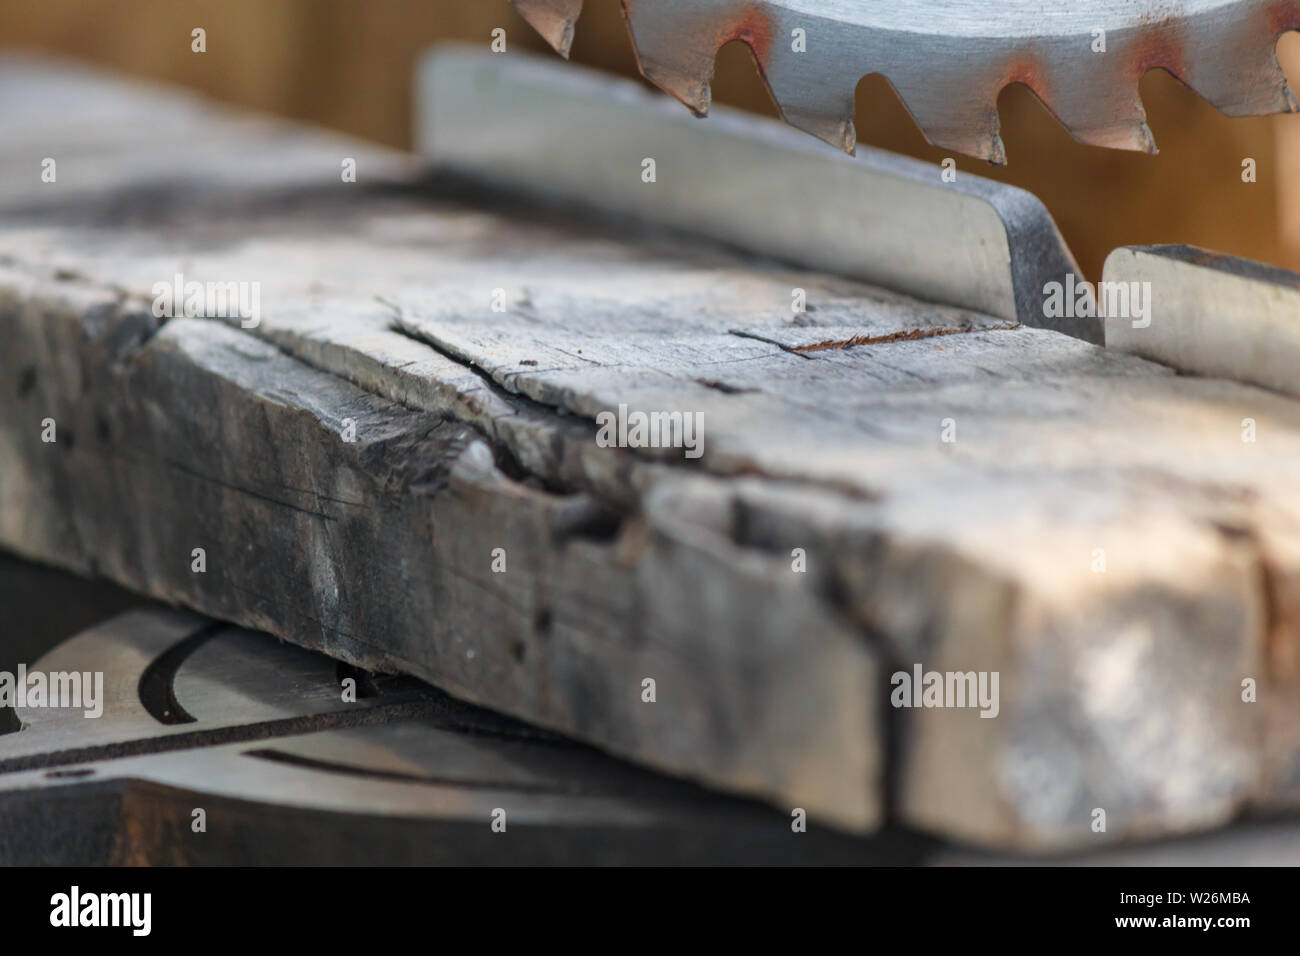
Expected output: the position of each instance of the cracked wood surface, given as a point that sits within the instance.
(475, 430)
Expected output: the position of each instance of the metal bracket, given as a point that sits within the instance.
(576, 136)
(1210, 314)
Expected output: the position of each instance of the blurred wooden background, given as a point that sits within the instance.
(348, 64)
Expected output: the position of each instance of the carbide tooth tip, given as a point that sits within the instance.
(1148, 139)
(843, 136)
(996, 152)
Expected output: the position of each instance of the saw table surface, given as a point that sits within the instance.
(397, 465)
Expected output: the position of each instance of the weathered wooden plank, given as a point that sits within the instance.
(381, 551)
(1097, 532)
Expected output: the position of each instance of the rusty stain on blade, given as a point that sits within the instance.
(949, 59)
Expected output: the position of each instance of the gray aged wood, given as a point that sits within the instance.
(381, 552)
(1096, 531)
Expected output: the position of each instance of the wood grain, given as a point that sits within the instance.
(1121, 688)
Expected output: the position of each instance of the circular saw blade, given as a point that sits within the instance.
(949, 59)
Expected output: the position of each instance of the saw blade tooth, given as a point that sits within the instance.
(1107, 111)
(812, 98)
(982, 143)
(839, 132)
(1236, 68)
(1129, 133)
(950, 82)
(967, 124)
(1134, 135)
(1257, 88)
(676, 48)
(1123, 129)
(553, 19)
